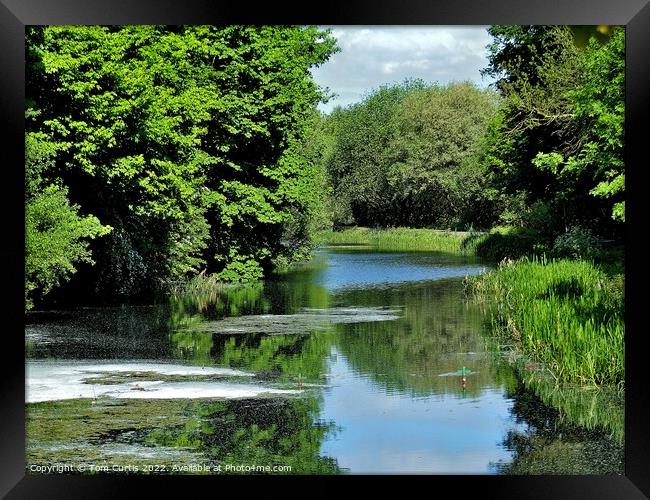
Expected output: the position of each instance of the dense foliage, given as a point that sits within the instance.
(555, 150)
(160, 153)
(544, 152)
(406, 156)
(56, 234)
(185, 140)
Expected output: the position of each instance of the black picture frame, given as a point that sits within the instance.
(16, 14)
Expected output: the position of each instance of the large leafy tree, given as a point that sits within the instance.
(406, 155)
(597, 150)
(557, 142)
(534, 67)
(433, 175)
(184, 139)
(360, 158)
(57, 235)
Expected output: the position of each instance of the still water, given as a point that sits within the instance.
(360, 362)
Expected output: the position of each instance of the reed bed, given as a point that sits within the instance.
(566, 314)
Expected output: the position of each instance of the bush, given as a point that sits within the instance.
(511, 242)
(57, 240)
(578, 243)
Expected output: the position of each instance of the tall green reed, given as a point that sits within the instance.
(565, 314)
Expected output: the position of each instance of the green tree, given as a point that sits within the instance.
(535, 67)
(556, 146)
(57, 236)
(182, 138)
(407, 155)
(434, 178)
(599, 105)
(360, 159)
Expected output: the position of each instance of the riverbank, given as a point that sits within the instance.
(562, 324)
(498, 243)
(403, 238)
(566, 314)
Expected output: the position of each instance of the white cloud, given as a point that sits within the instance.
(374, 56)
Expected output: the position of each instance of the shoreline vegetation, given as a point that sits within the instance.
(563, 324)
(400, 238)
(566, 314)
(497, 243)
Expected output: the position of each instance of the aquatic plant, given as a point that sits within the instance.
(566, 314)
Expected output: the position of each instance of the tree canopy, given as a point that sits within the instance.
(405, 155)
(185, 140)
(157, 153)
(558, 139)
(542, 149)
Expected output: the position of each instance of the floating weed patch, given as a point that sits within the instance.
(105, 433)
(308, 320)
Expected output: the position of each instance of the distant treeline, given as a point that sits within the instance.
(542, 150)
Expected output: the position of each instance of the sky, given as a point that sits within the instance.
(373, 56)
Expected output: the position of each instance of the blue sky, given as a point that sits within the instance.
(376, 55)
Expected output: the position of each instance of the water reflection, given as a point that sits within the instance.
(268, 432)
(386, 363)
(438, 334)
(100, 333)
(439, 433)
(180, 436)
(546, 443)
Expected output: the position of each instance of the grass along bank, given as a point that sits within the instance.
(566, 314)
(399, 239)
(500, 242)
